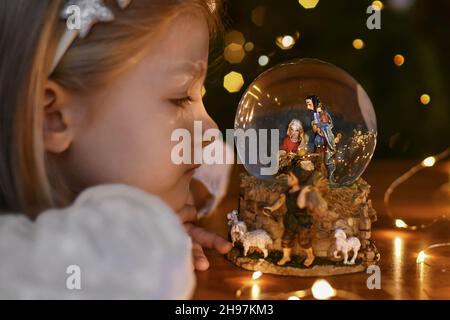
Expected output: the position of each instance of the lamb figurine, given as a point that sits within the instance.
(257, 238)
(346, 245)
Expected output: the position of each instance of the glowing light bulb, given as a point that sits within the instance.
(256, 275)
(429, 162)
(399, 223)
(322, 290)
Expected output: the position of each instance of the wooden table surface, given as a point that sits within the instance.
(421, 199)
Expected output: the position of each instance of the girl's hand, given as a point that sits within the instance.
(201, 238)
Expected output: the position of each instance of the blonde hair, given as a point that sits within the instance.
(295, 123)
(30, 32)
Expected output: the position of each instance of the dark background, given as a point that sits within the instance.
(420, 32)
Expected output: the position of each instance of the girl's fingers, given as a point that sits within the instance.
(187, 214)
(208, 239)
(201, 263)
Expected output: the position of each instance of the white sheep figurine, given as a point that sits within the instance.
(345, 245)
(256, 238)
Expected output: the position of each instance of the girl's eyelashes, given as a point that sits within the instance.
(182, 102)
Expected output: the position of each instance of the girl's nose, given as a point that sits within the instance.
(207, 123)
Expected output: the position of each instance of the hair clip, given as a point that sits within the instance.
(90, 12)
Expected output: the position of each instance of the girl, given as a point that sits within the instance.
(93, 206)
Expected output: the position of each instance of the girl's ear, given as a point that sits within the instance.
(57, 118)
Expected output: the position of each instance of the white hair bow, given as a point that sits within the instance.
(89, 13)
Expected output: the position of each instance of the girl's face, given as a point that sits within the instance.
(294, 132)
(124, 135)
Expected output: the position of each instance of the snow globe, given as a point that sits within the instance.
(305, 131)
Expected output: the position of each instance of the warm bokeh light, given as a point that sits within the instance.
(429, 162)
(234, 36)
(263, 60)
(285, 42)
(293, 298)
(399, 223)
(420, 257)
(249, 46)
(234, 53)
(233, 82)
(425, 99)
(398, 247)
(259, 16)
(308, 4)
(358, 44)
(256, 275)
(399, 60)
(377, 5)
(322, 290)
(256, 291)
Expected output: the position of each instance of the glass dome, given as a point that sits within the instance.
(327, 102)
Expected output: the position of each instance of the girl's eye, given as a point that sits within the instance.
(181, 102)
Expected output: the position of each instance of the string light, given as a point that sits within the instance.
(425, 99)
(425, 163)
(322, 290)
(429, 162)
(399, 60)
(399, 223)
(422, 256)
(256, 275)
(358, 44)
(285, 42)
(263, 60)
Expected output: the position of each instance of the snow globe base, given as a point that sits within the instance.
(344, 208)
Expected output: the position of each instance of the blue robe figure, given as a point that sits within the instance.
(323, 140)
(312, 102)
